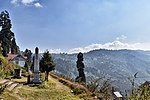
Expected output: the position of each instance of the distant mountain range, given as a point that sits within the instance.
(117, 65)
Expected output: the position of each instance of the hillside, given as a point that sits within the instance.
(17, 89)
(117, 65)
(51, 90)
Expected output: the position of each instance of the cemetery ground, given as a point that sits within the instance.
(51, 90)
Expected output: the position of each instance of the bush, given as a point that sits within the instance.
(6, 67)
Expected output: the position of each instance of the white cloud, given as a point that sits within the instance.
(27, 2)
(115, 45)
(14, 1)
(38, 4)
(54, 50)
(121, 38)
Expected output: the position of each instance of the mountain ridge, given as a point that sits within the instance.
(118, 65)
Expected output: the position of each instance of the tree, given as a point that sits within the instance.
(27, 53)
(14, 47)
(142, 92)
(132, 81)
(46, 64)
(7, 37)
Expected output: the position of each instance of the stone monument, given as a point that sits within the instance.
(80, 67)
(36, 72)
(17, 73)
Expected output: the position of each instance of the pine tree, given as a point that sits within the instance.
(46, 64)
(14, 47)
(28, 54)
(7, 37)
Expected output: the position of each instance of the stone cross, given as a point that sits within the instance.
(36, 72)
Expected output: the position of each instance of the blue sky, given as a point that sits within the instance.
(80, 25)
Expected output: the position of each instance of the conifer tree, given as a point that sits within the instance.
(14, 47)
(46, 64)
(7, 37)
(28, 54)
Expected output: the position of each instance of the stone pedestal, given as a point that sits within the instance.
(36, 73)
(36, 78)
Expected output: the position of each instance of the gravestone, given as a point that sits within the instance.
(17, 73)
(28, 71)
(36, 72)
(80, 67)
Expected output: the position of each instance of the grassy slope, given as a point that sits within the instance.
(51, 90)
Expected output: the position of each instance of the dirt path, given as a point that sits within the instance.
(59, 85)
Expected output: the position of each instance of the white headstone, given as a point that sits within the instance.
(36, 73)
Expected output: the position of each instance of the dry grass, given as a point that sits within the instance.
(76, 88)
(51, 90)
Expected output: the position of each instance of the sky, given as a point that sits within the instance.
(73, 26)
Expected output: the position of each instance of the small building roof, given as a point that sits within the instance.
(117, 94)
(11, 56)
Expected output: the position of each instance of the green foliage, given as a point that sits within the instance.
(47, 64)
(6, 67)
(93, 85)
(27, 53)
(14, 47)
(7, 37)
(100, 87)
(22, 69)
(142, 93)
